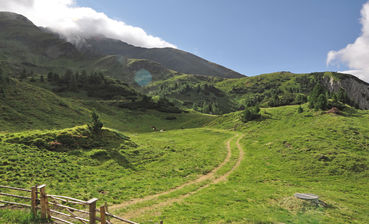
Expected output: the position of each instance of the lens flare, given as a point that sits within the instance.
(143, 77)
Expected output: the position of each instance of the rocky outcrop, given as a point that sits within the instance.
(356, 89)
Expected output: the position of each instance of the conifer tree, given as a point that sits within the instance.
(96, 125)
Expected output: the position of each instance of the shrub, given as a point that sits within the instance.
(96, 125)
(250, 113)
(300, 110)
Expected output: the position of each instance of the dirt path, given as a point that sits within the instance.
(154, 208)
(207, 176)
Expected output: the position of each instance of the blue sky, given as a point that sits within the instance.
(249, 36)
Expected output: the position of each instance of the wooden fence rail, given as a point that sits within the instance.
(40, 200)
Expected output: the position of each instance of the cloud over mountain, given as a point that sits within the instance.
(76, 23)
(355, 55)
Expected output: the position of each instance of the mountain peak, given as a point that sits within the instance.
(12, 17)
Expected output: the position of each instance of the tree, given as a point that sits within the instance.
(274, 101)
(96, 125)
(205, 108)
(50, 77)
(321, 103)
(250, 113)
(318, 98)
(341, 96)
(300, 98)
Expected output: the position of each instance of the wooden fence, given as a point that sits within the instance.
(61, 208)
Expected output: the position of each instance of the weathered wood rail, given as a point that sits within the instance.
(60, 208)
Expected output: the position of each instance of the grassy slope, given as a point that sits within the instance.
(150, 163)
(288, 153)
(24, 106)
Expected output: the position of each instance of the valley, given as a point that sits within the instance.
(189, 141)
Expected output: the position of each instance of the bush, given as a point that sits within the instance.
(96, 125)
(300, 110)
(250, 113)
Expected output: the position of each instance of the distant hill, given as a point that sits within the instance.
(218, 96)
(171, 58)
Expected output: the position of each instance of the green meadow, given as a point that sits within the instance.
(285, 152)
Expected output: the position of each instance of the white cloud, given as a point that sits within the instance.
(355, 55)
(74, 22)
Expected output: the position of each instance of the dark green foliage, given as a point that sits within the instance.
(193, 92)
(321, 103)
(300, 109)
(96, 125)
(95, 85)
(250, 113)
(274, 100)
(4, 78)
(144, 103)
(23, 74)
(341, 96)
(318, 98)
(300, 98)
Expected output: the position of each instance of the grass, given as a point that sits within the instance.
(27, 107)
(287, 153)
(145, 164)
(24, 106)
(11, 216)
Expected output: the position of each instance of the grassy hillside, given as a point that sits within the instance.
(195, 92)
(25, 106)
(34, 104)
(140, 165)
(220, 96)
(287, 152)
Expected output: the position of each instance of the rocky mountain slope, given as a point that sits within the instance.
(356, 89)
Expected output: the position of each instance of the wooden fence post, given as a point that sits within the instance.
(161, 222)
(43, 200)
(34, 200)
(107, 210)
(102, 215)
(92, 210)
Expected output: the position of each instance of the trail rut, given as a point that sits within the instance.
(209, 176)
(198, 180)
